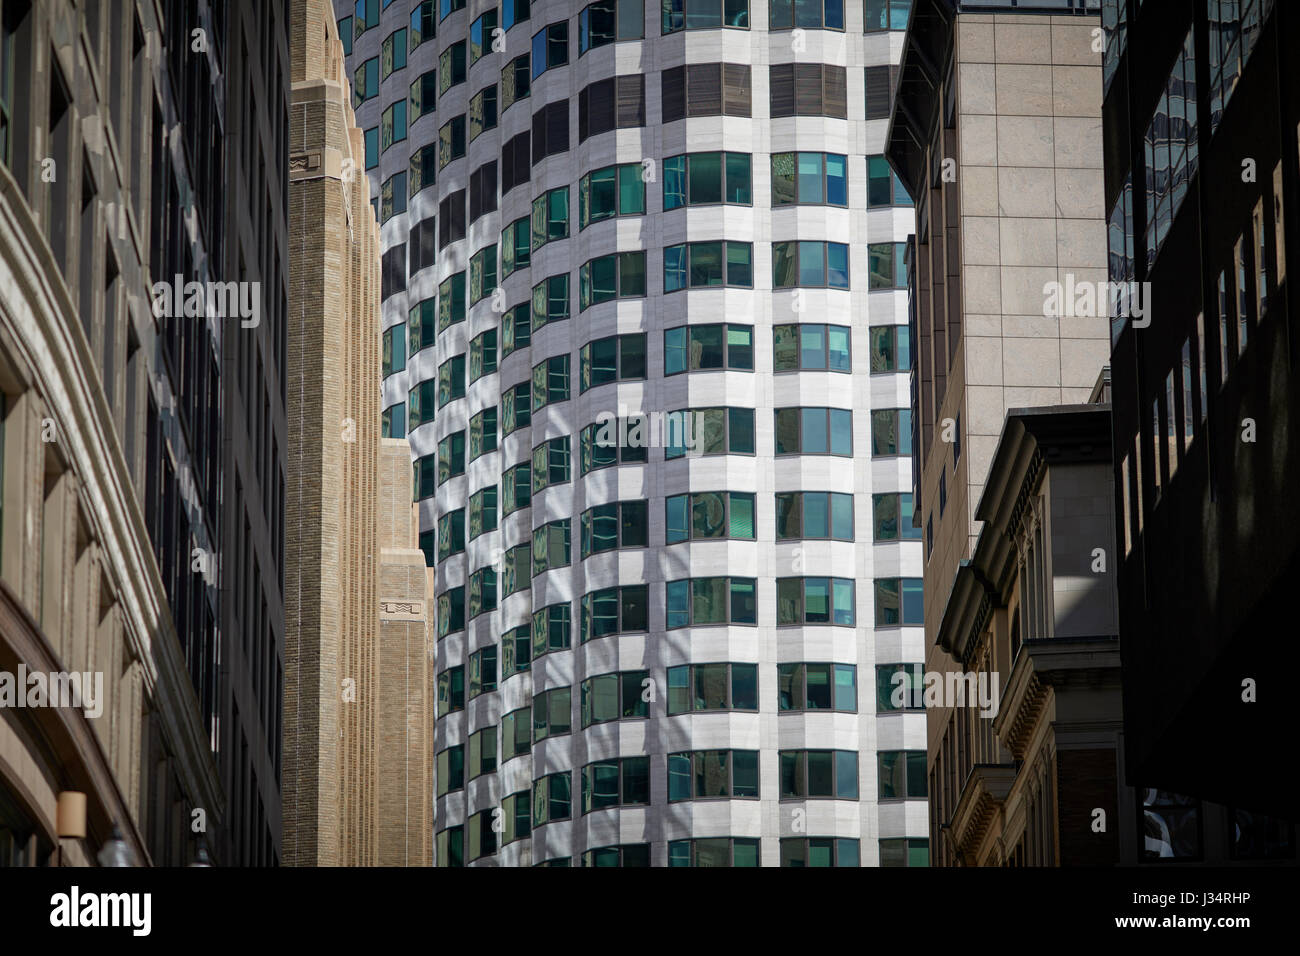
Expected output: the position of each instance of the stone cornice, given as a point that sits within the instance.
(1044, 664)
(984, 791)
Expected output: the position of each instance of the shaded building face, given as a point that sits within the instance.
(995, 131)
(1200, 137)
(111, 457)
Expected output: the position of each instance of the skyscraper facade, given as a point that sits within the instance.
(254, 156)
(997, 131)
(111, 445)
(1201, 111)
(644, 325)
(357, 788)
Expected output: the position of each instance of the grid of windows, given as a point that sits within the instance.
(718, 179)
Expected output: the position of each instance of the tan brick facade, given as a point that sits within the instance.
(356, 767)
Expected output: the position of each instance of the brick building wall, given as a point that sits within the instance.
(344, 732)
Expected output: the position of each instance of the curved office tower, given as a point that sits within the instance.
(645, 324)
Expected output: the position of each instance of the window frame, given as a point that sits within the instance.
(799, 432)
(623, 268)
(691, 687)
(623, 595)
(834, 585)
(689, 500)
(801, 331)
(689, 585)
(683, 175)
(625, 709)
(693, 346)
(798, 670)
(781, 256)
(692, 756)
(622, 509)
(621, 359)
(801, 757)
(796, 180)
(798, 497)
